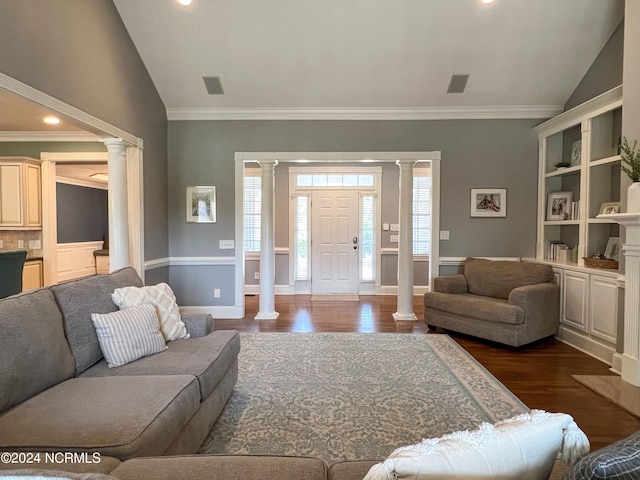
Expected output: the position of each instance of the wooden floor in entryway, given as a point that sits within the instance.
(539, 374)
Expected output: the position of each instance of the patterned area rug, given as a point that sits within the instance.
(350, 396)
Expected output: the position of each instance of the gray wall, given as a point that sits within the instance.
(604, 74)
(79, 52)
(475, 153)
(81, 213)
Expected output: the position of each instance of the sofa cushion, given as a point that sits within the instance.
(522, 447)
(33, 474)
(93, 464)
(468, 305)
(222, 467)
(78, 299)
(620, 460)
(208, 358)
(163, 298)
(129, 334)
(34, 354)
(496, 278)
(119, 416)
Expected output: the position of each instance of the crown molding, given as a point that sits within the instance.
(427, 113)
(48, 137)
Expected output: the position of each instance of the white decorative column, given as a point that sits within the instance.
(631, 249)
(267, 243)
(405, 243)
(118, 204)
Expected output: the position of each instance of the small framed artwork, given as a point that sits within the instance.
(488, 202)
(201, 204)
(609, 207)
(559, 205)
(576, 153)
(613, 248)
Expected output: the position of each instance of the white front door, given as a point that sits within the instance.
(334, 241)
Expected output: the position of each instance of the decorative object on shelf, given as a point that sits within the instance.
(201, 204)
(488, 202)
(560, 165)
(576, 152)
(559, 205)
(630, 155)
(609, 207)
(613, 248)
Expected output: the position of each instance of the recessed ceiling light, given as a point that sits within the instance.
(51, 120)
(487, 1)
(186, 3)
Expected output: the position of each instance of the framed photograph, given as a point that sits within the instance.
(613, 248)
(201, 204)
(559, 205)
(488, 202)
(576, 153)
(609, 207)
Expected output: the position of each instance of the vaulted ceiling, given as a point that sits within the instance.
(303, 58)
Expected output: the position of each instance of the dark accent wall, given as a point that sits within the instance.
(604, 74)
(82, 213)
(79, 51)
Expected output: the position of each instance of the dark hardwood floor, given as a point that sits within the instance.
(539, 374)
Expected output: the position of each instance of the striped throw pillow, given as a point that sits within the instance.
(129, 334)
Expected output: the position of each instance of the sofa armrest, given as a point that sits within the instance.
(198, 324)
(540, 302)
(450, 284)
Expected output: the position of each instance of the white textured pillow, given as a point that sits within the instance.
(128, 334)
(162, 297)
(524, 447)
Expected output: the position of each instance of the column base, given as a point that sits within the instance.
(405, 317)
(630, 370)
(266, 316)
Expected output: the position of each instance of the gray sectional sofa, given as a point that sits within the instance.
(57, 394)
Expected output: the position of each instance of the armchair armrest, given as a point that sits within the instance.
(540, 302)
(451, 284)
(198, 324)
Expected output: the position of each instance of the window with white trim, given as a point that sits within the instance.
(421, 211)
(368, 238)
(301, 237)
(252, 208)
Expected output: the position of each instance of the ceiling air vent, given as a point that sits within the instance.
(458, 83)
(213, 85)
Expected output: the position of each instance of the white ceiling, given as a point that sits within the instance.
(370, 57)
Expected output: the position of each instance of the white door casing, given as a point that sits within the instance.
(334, 241)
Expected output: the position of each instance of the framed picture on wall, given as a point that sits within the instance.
(488, 202)
(559, 205)
(201, 204)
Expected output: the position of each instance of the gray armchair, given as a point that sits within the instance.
(513, 303)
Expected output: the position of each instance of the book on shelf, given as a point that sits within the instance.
(558, 251)
(575, 210)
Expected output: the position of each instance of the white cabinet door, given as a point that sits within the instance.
(33, 196)
(575, 296)
(603, 311)
(32, 275)
(10, 195)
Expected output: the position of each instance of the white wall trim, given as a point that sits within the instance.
(82, 183)
(48, 137)
(586, 344)
(336, 157)
(201, 261)
(279, 290)
(217, 311)
(76, 260)
(156, 263)
(425, 113)
(458, 261)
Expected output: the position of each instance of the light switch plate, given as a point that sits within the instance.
(1, 244)
(35, 245)
(394, 239)
(385, 227)
(444, 234)
(20, 243)
(227, 244)
(395, 227)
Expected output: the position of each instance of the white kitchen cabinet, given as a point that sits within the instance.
(32, 275)
(575, 296)
(603, 308)
(20, 194)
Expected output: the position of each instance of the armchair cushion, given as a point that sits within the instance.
(472, 306)
(495, 278)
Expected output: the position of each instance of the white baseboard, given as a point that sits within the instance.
(586, 344)
(379, 290)
(279, 290)
(216, 311)
(616, 363)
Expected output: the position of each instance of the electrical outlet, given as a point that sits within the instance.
(1, 244)
(395, 227)
(393, 239)
(444, 234)
(227, 244)
(216, 293)
(35, 244)
(256, 275)
(20, 243)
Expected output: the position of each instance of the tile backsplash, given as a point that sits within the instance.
(10, 239)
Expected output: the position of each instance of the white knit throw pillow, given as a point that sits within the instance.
(524, 447)
(162, 297)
